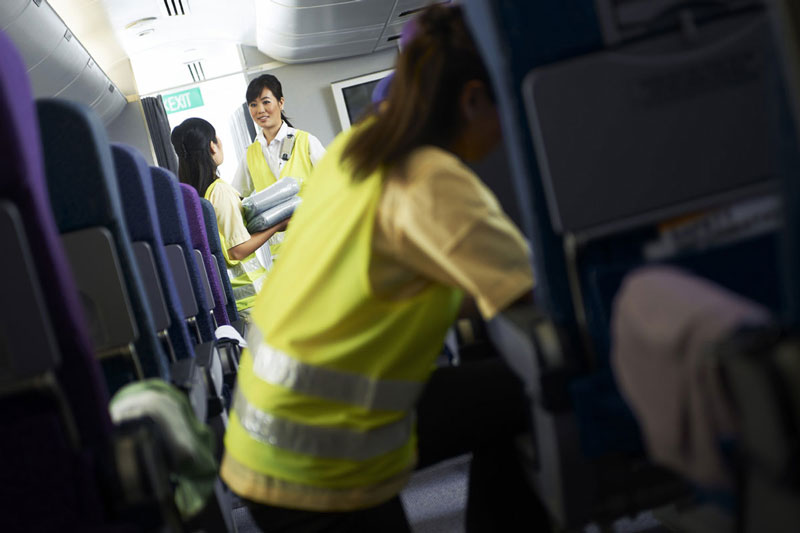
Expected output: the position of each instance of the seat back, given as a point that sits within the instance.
(214, 245)
(136, 186)
(84, 195)
(175, 231)
(761, 367)
(24, 184)
(35, 425)
(197, 227)
(786, 136)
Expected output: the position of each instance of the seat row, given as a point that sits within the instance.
(639, 135)
(113, 273)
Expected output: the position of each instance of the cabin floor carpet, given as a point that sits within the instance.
(436, 498)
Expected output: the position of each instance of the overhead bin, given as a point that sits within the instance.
(296, 31)
(87, 87)
(36, 32)
(109, 104)
(10, 10)
(58, 65)
(390, 35)
(59, 68)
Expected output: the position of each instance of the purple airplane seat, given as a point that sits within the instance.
(43, 465)
(197, 227)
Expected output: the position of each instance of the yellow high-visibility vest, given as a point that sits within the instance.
(246, 276)
(323, 415)
(299, 167)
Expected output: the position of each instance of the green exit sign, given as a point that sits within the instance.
(183, 100)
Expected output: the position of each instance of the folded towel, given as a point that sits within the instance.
(274, 215)
(274, 195)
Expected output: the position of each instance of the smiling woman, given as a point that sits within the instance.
(279, 150)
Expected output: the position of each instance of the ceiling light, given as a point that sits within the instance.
(140, 21)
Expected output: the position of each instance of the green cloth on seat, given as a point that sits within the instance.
(189, 442)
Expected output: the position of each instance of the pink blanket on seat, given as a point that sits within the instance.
(665, 323)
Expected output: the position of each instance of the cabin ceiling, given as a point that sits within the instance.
(161, 40)
(115, 32)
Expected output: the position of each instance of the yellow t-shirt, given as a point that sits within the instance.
(437, 221)
(228, 207)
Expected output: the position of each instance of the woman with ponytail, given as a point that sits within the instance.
(199, 154)
(337, 399)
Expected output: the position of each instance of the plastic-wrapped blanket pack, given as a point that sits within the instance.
(272, 205)
(273, 215)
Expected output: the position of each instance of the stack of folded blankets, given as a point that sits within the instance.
(272, 205)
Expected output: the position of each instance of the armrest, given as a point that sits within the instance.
(539, 351)
(142, 492)
(229, 352)
(187, 376)
(208, 362)
(240, 326)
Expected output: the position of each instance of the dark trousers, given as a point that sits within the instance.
(476, 408)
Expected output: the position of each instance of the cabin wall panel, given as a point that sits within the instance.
(129, 127)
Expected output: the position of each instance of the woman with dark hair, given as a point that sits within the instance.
(199, 154)
(279, 150)
(337, 398)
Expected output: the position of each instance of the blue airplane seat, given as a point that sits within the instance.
(84, 195)
(175, 230)
(207, 262)
(214, 244)
(133, 175)
(625, 123)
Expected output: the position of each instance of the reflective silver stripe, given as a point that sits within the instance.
(241, 269)
(246, 291)
(257, 284)
(278, 368)
(276, 238)
(337, 443)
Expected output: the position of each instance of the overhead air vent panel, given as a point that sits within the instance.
(197, 71)
(175, 8)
